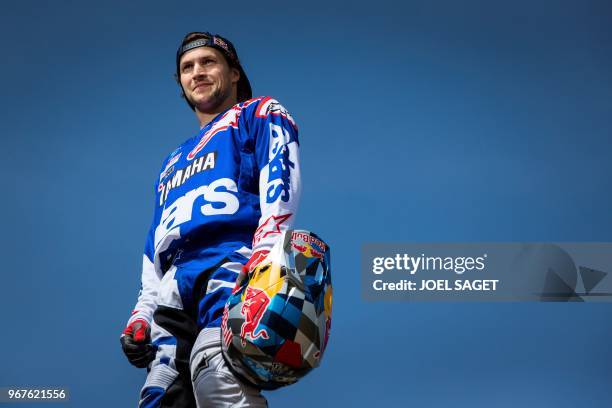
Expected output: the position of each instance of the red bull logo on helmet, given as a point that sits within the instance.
(308, 239)
(255, 303)
(307, 250)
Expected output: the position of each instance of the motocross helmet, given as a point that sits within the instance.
(276, 323)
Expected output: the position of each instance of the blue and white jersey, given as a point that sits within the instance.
(234, 185)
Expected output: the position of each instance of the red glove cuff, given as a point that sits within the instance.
(137, 329)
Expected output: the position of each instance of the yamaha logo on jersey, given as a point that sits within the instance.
(166, 173)
(206, 162)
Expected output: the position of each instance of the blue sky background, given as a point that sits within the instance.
(425, 121)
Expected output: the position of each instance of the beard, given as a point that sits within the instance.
(213, 101)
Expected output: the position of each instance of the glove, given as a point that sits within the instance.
(255, 259)
(136, 343)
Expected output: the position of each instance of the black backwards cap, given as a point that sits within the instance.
(206, 39)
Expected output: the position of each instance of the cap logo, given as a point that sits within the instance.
(221, 43)
(202, 42)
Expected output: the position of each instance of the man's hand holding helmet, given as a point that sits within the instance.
(136, 343)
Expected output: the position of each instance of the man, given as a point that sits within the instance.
(222, 199)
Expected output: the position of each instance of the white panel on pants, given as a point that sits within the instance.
(214, 384)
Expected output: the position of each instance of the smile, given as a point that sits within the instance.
(201, 86)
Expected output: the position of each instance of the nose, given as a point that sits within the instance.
(198, 70)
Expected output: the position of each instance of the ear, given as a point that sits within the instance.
(235, 75)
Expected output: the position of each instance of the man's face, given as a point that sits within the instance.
(207, 79)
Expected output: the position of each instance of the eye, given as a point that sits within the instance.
(187, 67)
